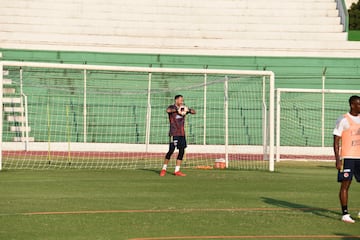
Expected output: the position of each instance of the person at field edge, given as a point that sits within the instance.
(177, 114)
(347, 153)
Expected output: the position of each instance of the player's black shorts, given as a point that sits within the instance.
(351, 167)
(178, 142)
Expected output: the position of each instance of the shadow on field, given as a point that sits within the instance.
(322, 212)
(346, 236)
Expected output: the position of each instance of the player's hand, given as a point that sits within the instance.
(338, 164)
(183, 110)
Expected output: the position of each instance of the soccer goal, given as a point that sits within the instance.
(305, 120)
(90, 116)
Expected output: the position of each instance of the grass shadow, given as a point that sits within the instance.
(346, 236)
(322, 212)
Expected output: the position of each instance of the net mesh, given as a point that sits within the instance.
(69, 118)
(307, 121)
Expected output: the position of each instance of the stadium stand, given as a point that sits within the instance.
(221, 27)
(295, 39)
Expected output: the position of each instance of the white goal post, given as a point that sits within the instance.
(73, 115)
(305, 119)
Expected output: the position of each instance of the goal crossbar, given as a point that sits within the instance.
(137, 69)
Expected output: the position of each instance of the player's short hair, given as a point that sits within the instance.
(353, 98)
(178, 96)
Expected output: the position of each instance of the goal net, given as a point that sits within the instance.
(305, 121)
(89, 116)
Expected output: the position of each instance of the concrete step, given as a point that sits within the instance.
(169, 23)
(11, 100)
(13, 109)
(5, 72)
(156, 17)
(20, 129)
(16, 119)
(49, 8)
(185, 13)
(257, 31)
(121, 40)
(231, 43)
(23, 139)
(232, 51)
(182, 30)
(263, 4)
(243, 35)
(7, 81)
(222, 47)
(285, 20)
(286, 36)
(258, 44)
(153, 15)
(215, 6)
(8, 90)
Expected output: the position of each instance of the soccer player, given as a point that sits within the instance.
(177, 114)
(347, 136)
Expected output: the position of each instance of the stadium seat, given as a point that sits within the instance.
(223, 27)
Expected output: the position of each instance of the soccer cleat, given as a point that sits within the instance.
(179, 174)
(347, 219)
(162, 173)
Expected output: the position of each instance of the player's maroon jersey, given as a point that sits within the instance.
(177, 123)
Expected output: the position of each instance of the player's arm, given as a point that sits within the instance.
(171, 109)
(191, 111)
(336, 146)
(338, 130)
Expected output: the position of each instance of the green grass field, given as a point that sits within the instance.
(299, 200)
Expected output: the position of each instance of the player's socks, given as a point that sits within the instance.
(344, 210)
(163, 170)
(178, 172)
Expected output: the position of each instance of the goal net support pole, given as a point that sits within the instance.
(1, 110)
(226, 119)
(272, 122)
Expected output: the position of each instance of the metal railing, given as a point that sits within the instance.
(343, 14)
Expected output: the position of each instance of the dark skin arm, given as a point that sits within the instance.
(192, 111)
(344, 189)
(171, 110)
(336, 147)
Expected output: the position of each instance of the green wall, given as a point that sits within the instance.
(245, 124)
(299, 72)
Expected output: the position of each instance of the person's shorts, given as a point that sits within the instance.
(351, 167)
(178, 142)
